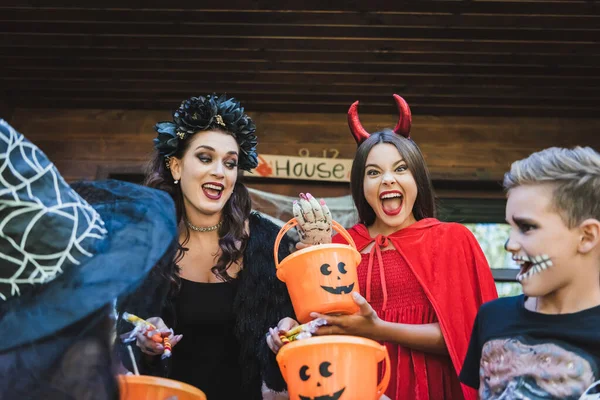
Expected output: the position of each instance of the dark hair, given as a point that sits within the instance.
(232, 233)
(76, 363)
(203, 113)
(424, 206)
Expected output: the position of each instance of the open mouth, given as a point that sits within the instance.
(391, 202)
(339, 289)
(334, 396)
(531, 265)
(213, 190)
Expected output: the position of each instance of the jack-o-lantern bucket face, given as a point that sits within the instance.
(320, 278)
(333, 368)
(342, 286)
(324, 372)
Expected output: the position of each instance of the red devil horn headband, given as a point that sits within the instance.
(402, 127)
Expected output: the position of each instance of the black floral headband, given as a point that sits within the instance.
(210, 112)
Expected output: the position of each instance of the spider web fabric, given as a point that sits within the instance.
(45, 226)
(592, 393)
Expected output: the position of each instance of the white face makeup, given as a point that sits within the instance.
(541, 243)
(531, 265)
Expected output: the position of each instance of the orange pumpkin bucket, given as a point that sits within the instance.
(144, 387)
(320, 278)
(334, 368)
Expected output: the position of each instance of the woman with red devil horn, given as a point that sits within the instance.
(402, 127)
(422, 280)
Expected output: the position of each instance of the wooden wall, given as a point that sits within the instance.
(90, 143)
(446, 57)
(5, 109)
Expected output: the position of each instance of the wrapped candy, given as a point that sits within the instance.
(303, 331)
(149, 330)
(168, 348)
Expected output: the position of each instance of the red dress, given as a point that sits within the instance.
(435, 272)
(415, 375)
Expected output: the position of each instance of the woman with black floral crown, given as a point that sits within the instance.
(224, 294)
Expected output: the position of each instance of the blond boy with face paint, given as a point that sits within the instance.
(546, 342)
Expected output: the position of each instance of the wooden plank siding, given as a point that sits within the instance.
(5, 109)
(84, 142)
(488, 81)
(446, 57)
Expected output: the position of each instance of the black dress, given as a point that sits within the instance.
(256, 302)
(208, 355)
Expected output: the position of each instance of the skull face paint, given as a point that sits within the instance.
(531, 265)
(541, 242)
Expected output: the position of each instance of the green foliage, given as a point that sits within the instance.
(491, 238)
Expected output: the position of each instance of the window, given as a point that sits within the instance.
(485, 218)
(491, 238)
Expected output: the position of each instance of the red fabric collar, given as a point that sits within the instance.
(362, 238)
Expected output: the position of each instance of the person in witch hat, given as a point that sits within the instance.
(66, 254)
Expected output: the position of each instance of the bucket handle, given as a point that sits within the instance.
(293, 222)
(385, 381)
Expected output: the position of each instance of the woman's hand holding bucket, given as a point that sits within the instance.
(364, 323)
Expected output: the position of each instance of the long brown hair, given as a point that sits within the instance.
(233, 237)
(424, 206)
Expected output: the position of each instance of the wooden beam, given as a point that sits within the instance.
(564, 7)
(471, 77)
(320, 32)
(82, 142)
(244, 90)
(95, 64)
(505, 274)
(226, 40)
(482, 100)
(475, 108)
(374, 18)
(6, 109)
(32, 50)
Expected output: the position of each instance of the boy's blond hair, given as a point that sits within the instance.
(575, 174)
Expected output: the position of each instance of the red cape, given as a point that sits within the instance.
(453, 271)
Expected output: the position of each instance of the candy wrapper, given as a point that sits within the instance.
(303, 331)
(149, 330)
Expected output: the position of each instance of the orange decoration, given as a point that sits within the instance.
(334, 367)
(320, 278)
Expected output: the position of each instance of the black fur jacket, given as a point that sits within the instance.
(262, 300)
